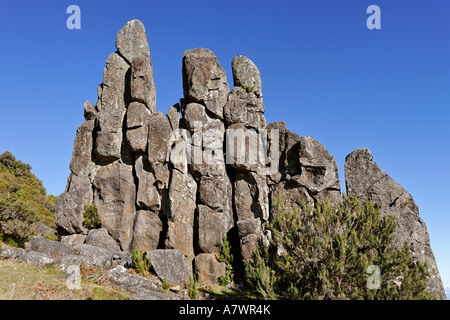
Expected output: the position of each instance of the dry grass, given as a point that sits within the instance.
(21, 281)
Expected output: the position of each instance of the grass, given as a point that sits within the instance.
(22, 281)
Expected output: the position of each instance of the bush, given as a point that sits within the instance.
(325, 252)
(23, 201)
(226, 256)
(91, 219)
(140, 262)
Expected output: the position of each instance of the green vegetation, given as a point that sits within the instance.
(166, 284)
(193, 287)
(23, 201)
(324, 252)
(140, 262)
(226, 256)
(91, 219)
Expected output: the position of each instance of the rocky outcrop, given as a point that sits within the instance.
(207, 169)
(366, 180)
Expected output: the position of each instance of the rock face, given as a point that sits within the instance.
(206, 170)
(366, 180)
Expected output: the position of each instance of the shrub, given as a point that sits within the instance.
(23, 201)
(140, 262)
(193, 287)
(91, 219)
(324, 252)
(226, 256)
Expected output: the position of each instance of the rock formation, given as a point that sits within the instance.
(366, 180)
(207, 169)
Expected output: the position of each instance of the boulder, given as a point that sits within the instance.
(244, 107)
(246, 74)
(204, 80)
(89, 111)
(53, 249)
(169, 265)
(36, 258)
(147, 196)
(94, 256)
(137, 120)
(131, 41)
(73, 240)
(120, 278)
(82, 149)
(366, 180)
(101, 238)
(11, 253)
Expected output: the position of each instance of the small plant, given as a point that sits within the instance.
(140, 262)
(166, 284)
(226, 256)
(91, 219)
(51, 236)
(193, 287)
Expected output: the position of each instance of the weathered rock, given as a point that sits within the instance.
(180, 235)
(212, 225)
(115, 196)
(68, 260)
(43, 230)
(142, 83)
(11, 253)
(216, 192)
(94, 256)
(174, 116)
(244, 107)
(120, 278)
(153, 295)
(138, 117)
(169, 265)
(366, 180)
(147, 194)
(73, 240)
(89, 111)
(82, 149)
(204, 80)
(131, 41)
(208, 268)
(101, 238)
(159, 146)
(112, 109)
(251, 197)
(37, 258)
(182, 197)
(245, 151)
(69, 205)
(246, 74)
(53, 249)
(319, 172)
(147, 230)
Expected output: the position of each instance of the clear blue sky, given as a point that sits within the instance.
(324, 73)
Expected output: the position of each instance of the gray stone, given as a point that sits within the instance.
(182, 197)
(70, 204)
(89, 111)
(147, 194)
(94, 256)
(147, 230)
(53, 249)
(142, 83)
(204, 80)
(36, 258)
(246, 74)
(169, 265)
(366, 180)
(120, 278)
(115, 196)
(173, 114)
(208, 268)
(244, 107)
(212, 225)
(73, 240)
(251, 196)
(101, 238)
(82, 149)
(180, 235)
(131, 41)
(11, 253)
(159, 146)
(138, 117)
(68, 260)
